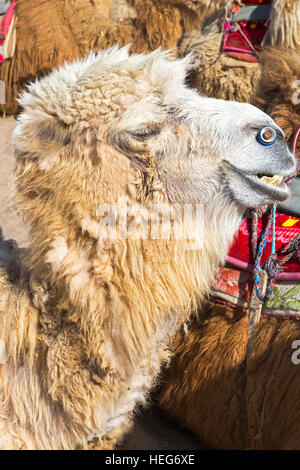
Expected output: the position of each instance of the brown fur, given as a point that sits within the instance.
(223, 77)
(218, 75)
(51, 32)
(211, 390)
(42, 44)
(283, 30)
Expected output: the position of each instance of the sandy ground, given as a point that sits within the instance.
(12, 225)
(149, 432)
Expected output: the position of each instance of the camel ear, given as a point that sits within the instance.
(161, 65)
(41, 138)
(167, 74)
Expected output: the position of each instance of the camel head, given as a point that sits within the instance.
(116, 125)
(140, 108)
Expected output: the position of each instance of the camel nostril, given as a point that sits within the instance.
(267, 136)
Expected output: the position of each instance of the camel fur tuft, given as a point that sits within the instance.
(283, 30)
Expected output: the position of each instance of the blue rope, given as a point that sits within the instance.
(271, 262)
(274, 229)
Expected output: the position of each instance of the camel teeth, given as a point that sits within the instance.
(274, 180)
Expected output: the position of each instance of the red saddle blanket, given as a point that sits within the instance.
(233, 283)
(287, 228)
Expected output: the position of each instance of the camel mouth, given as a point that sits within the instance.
(272, 186)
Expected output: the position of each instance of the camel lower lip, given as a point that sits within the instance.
(279, 192)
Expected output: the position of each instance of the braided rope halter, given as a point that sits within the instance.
(267, 274)
(273, 265)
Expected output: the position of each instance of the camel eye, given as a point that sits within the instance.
(143, 134)
(267, 136)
